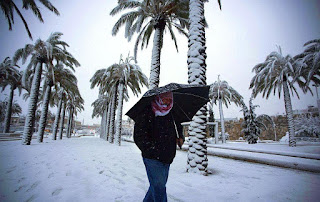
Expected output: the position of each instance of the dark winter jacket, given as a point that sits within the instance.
(156, 137)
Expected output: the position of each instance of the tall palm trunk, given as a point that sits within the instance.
(103, 133)
(56, 121)
(62, 120)
(108, 121)
(288, 106)
(223, 135)
(9, 111)
(112, 116)
(197, 153)
(69, 122)
(155, 60)
(44, 113)
(119, 114)
(29, 123)
(105, 136)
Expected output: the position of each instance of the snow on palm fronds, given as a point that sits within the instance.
(253, 124)
(307, 126)
(308, 62)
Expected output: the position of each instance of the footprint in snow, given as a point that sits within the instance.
(31, 198)
(11, 169)
(33, 186)
(56, 192)
(21, 187)
(50, 175)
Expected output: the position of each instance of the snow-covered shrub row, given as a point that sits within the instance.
(307, 126)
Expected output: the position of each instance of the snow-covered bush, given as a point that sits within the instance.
(253, 124)
(307, 126)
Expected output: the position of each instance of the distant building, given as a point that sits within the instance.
(310, 110)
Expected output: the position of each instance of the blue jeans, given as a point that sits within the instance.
(158, 175)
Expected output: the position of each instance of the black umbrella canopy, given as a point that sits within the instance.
(187, 100)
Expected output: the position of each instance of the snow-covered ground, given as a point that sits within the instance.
(90, 169)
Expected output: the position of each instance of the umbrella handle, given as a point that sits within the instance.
(175, 126)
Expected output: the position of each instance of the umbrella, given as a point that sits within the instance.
(187, 100)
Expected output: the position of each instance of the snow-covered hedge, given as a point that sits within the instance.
(307, 126)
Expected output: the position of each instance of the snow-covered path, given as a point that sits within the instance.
(90, 169)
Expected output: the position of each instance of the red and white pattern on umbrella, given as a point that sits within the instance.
(162, 104)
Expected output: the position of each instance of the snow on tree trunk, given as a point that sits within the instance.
(62, 120)
(119, 114)
(155, 61)
(105, 114)
(33, 100)
(56, 121)
(69, 123)
(288, 107)
(108, 120)
(44, 114)
(8, 111)
(197, 153)
(112, 116)
(223, 135)
(103, 125)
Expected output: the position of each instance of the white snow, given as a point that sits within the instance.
(91, 169)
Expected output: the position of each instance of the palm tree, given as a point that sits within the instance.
(15, 109)
(54, 77)
(222, 92)
(277, 73)
(100, 106)
(42, 53)
(124, 75)
(253, 124)
(8, 8)
(99, 79)
(149, 16)
(197, 153)
(9, 76)
(74, 105)
(66, 92)
(308, 62)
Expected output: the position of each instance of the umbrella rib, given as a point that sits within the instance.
(190, 95)
(183, 111)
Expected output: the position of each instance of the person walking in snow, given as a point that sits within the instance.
(156, 134)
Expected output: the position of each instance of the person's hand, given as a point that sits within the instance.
(179, 142)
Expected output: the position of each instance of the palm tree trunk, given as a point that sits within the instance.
(56, 121)
(8, 111)
(44, 114)
(197, 154)
(69, 122)
(288, 106)
(112, 116)
(29, 123)
(223, 135)
(103, 133)
(62, 120)
(108, 120)
(155, 60)
(119, 114)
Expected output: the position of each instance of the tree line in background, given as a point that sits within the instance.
(276, 74)
(47, 67)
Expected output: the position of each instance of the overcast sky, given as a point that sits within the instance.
(239, 37)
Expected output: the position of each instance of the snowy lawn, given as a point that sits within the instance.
(90, 169)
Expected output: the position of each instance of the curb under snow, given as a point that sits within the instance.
(269, 159)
